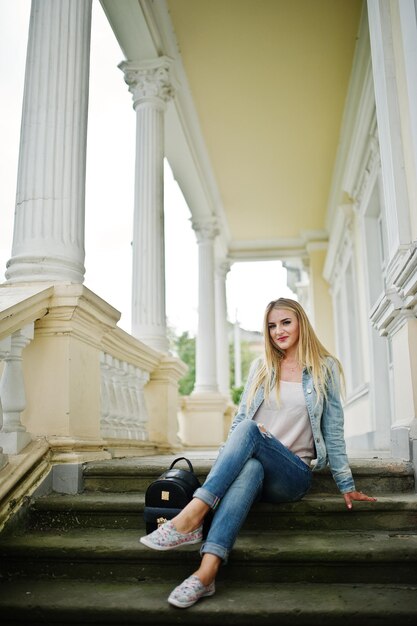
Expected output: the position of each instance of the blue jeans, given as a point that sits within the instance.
(253, 465)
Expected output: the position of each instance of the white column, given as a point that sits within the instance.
(48, 241)
(222, 335)
(151, 85)
(206, 362)
(202, 418)
(237, 354)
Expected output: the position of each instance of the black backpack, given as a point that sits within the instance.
(168, 494)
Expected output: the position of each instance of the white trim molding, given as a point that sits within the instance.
(269, 249)
(399, 303)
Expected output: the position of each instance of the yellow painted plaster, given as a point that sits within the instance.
(269, 80)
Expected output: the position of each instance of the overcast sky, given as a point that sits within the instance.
(110, 188)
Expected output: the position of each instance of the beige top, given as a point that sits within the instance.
(289, 422)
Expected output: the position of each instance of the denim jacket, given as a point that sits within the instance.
(326, 418)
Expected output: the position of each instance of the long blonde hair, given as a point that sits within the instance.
(311, 354)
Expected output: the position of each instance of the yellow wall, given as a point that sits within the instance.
(320, 299)
(269, 81)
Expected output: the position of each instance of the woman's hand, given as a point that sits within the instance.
(356, 495)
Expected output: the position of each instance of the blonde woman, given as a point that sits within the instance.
(290, 413)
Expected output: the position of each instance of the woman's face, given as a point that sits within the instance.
(283, 329)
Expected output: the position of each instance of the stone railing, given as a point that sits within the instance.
(70, 376)
(19, 308)
(124, 414)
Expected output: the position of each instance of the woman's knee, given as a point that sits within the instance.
(246, 426)
(252, 470)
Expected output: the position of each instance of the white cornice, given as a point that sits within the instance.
(398, 303)
(144, 31)
(406, 279)
(387, 315)
(277, 249)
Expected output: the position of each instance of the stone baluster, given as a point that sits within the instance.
(142, 378)
(105, 422)
(5, 347)
(120, 401)
(111, 430)
(128, 416)
(124, 414)
(134, 401)
(13, 437)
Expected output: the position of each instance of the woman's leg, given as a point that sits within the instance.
(233, 510)
(286, 476)
(192, 516)
(228, 519)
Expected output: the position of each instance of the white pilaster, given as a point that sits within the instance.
(393, 36)
(151, 86)
(206, 362)
(48, 240)
(407, 11)
(222, 335)
(389, 131)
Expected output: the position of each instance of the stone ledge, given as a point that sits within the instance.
(264, 604)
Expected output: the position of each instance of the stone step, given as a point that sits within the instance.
(314, 512)
(374, 476)
(288, 556)
(114, 603)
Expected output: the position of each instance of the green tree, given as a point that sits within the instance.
(246, 358)
(184, 347)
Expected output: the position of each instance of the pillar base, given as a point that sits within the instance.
(403, 436)
(13, 443)
(44, 268)
(201, 419)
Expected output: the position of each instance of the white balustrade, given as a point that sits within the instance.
(13, 435)
(123, 408)
(4, 351)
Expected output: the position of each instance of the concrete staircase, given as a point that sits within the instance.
(77, 559)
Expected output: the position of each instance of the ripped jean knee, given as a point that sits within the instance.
(264, 432)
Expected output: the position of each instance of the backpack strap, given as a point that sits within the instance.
(182, 458)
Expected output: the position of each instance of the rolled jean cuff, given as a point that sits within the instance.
(214, 548)
(207, 497)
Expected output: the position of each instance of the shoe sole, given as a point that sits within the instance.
(154, 546)
(180, 605)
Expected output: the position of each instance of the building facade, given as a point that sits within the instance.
(76, 386)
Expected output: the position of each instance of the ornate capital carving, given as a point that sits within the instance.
(223, 268)
(205, 230)
(150, 81)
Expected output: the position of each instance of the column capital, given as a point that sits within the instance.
(150, 81)
(223, 267)
(205, 229)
